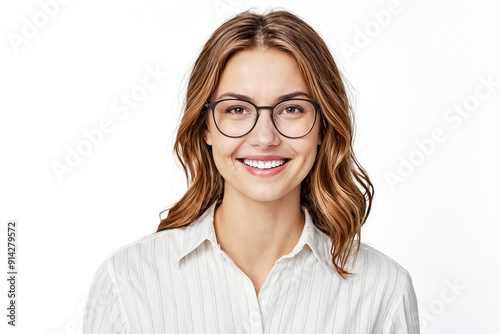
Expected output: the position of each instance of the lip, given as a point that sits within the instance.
(270, 172)
(264, 157)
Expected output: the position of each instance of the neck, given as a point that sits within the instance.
(255, 233)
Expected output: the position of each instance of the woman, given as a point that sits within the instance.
(263, 241)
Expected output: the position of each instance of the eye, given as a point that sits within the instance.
(235, 110)
(292, 110)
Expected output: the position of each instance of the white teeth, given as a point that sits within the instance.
(263, 165)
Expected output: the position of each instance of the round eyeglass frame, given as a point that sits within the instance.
(212, 106)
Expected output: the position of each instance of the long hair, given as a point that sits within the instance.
(337, 191)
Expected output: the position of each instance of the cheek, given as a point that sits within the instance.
(308, 152)
(223, 152)
(310, 159)
(308, 149)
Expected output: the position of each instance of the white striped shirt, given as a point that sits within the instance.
(180, 281)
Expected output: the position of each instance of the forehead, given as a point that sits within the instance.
(262, 74)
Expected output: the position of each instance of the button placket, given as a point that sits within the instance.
(256, 326)
(267, 295)
(255, 319)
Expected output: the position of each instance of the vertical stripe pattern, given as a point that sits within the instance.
(180, 281)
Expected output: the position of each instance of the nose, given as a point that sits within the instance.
(264, 134)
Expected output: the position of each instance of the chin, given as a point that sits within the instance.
(267, 196)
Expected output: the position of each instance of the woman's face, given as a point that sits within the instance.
(263, 75)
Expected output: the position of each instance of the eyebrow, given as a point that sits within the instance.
(248, 98)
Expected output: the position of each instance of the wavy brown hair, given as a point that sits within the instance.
(337, 191)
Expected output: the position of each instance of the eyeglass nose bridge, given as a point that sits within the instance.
(270, 108)
(258, 109)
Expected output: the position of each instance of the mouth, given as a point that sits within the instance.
(264, 164)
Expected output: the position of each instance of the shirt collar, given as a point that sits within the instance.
(193, 235)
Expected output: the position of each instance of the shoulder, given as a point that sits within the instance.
(123, 272)
(372, 263)
(379, 285)
(388, 284)
(158, 239)
(379, 275)
(160, 249)
(141, 253)
(375, 258)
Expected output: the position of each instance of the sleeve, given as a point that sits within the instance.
(104, 310)
(403, 316)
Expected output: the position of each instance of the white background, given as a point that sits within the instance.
(410, 72)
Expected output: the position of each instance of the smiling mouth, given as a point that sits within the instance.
(259, 164)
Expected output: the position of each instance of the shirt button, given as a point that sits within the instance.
(255, 319)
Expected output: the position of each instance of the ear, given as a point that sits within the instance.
(208, 136)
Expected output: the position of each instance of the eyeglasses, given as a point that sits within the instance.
(292, 118)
